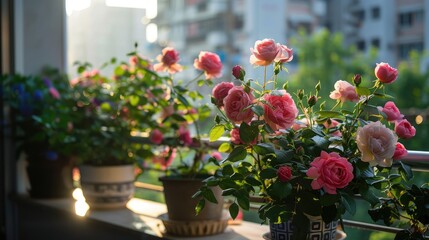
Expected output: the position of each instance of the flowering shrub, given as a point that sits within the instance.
(180, 113)
(39, 109)
(109, 108)
(304, 159)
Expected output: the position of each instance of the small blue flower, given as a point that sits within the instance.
(51, 155)
(19, 88)
(48, 82)
(38, 95)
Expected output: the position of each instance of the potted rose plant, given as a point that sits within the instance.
(305, 162)
(108, 110)
(41, 121)
(179, 132)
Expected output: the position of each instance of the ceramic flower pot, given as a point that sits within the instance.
(106, 187)
(318, 230)
(180, 204)
(50, 179)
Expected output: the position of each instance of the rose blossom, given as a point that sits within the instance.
(284, 174)
(216, 155)
(209, 63)
(156, 136)
(404, 129)
(185, 136)
(220, 91)
(344, 91)
(168, 61)
(54, 93)
(264, 52)
(285, 54)
(165, 158)
(238, 72)
(377, 144)
(331, 123)
(235, 104)
(391, 111)
(400, 151)
(280, 110)
(385, 73)
(330, 171)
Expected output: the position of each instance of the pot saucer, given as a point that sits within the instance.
(194, 228)
(339, 236)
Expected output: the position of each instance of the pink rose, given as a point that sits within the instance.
(238, 72)
(404, 129)
(185, 136)
(217, 155)
(165, 158)
(285, 54)
(235, 136)
(209, 63)
(284, 173)
(298, 124)
(330, 171)
(220, 91)
(377, 144)
(168, 61)
(264, 52)
(331, 123)
(391, 111)
(400, 151)
(235, 104)
(156, 136)
(280, 110)
(385, 73)
(54, 93)
(133, 60)
(344, 91)
(167, 111)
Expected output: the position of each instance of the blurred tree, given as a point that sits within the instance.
(323, 57)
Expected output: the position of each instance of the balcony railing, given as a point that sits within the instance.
(418, 160)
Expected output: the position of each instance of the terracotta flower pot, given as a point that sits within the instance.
(180, 204)
(106, 187)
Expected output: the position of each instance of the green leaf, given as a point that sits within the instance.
(279, 190)
(183, 100)
(227, 170)
(197, 194)
(237, 176)
(216, 132)
(258, 110)
(369, 196)
(224, 147)
(229, 191)
(178, 117)
(134, 100)
(349, 203)
(200, 206)
(263, 148)
(248, 133)
(105, 107)
(268, 173)
(237, 154)
(252, 181)
(208, 194)
(243, 201)
(405, 171)
(233, 210)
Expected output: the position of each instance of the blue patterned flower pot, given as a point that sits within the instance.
(318, 230)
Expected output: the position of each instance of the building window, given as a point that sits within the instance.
(360, 15)
(406, 48)
(375, 13)
(408, 19)
(361, 45)
(202, 6)
(375, 43)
